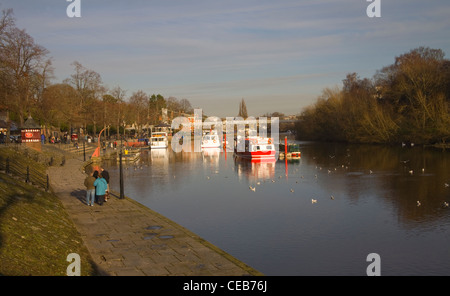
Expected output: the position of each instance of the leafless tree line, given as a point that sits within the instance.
(80, 101)
(408, 101)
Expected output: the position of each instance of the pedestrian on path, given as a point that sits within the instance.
(90, 189)
(95, 175)
(100, 188)
(105, 175)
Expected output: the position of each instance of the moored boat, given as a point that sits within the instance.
(159, 140)
(290, 151)
(211, 140)
(129, 155)
(256, 148)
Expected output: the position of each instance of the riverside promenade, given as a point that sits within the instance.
(126, 238)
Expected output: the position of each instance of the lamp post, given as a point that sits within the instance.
(121, 172)
(84, 146)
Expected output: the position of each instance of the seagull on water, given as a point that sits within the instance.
(292, 190)
(332, 197)
(418, 203)
(313, 200)
(252, 188)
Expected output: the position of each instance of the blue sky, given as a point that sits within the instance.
(277, 55)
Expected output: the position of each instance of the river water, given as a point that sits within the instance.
(367, 202)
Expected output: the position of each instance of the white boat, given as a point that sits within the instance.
(159, 140)
(211, 140)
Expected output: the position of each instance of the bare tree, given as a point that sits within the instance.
(119, 96)
(58, 107)
(139, 104)
(186, 106)
(89, 87)
(416, 86)
(6, 21)
(23, 65)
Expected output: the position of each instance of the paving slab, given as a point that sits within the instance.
(126, 238)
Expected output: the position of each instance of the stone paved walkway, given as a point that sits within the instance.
(126, 238)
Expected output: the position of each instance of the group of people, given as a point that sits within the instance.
(97, 187)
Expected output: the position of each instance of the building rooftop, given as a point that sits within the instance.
(30, 123)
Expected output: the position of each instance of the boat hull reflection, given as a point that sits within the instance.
(255, 169)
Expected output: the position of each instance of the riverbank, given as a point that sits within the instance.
(36, 233)
(127, 238)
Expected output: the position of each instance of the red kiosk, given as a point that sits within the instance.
(31, 134)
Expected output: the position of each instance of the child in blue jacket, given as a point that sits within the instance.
(100, 188)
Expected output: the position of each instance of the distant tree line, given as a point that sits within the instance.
(80, 101)
(408, 101)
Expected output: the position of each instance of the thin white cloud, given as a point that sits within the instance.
(244, 85)
(207, 48)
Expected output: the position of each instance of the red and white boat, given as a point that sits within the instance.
(256, 148)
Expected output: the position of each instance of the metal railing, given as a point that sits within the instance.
(25, 172)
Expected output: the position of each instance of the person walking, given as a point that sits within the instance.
(100, 188)
(90, 189)
(95, 175)
(105, 175)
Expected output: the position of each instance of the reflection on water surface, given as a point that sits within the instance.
(263, 214)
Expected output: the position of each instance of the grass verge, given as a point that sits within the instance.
(36, 233)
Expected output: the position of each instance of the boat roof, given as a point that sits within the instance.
(258, 140)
